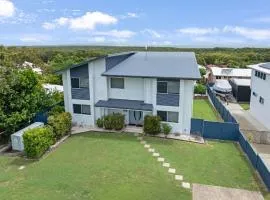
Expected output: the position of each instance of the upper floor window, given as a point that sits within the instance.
(79, 82)
(168, 116)
(260, 75)
(261, 100)
(117, 83)
(168, 87)
(254, 94)
(81, 109)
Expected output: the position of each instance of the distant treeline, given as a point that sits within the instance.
(56, 57)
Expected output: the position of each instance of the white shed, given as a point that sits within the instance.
(17, 138)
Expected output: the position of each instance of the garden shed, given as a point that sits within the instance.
(241, 89)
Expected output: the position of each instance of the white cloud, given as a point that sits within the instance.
(218, 40)
(20, 17)
(198, 31)
(250, 33)
(129, 15)
(116, 33)
(46, 10)
(89, 21)
(7, 8)
(152, 33)
(48, 25)
(99, 39)
(34, 38)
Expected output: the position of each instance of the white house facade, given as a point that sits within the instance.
(135, 84)
(260, 93)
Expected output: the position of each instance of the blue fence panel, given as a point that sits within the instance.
(252, 155)
(242, 142)
(264, 172)
(197, 126)
(41, 117)
(221, 131)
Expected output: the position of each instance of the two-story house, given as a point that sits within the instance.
(135, 84)
(260, 93)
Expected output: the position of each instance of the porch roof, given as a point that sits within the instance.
(124, 104)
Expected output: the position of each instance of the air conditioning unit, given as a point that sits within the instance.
(17, 138)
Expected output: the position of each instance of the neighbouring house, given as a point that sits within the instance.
(216, 73)
(53, 87)
(135, 84)
(260, 93)
(33, 67)
(241, 89)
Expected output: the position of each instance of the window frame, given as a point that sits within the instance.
(167, 116)
(81, 109)
(122, 78)
(167, 89)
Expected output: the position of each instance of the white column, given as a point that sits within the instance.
(91, 69)
(69, 96)
(181, 108)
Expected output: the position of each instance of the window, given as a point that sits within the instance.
(117, 83)
(168, 116)
(261, 100)
(79, 82)
(168, 87)
(254, 94)
(260, 75)
(82, 109)
(75, 83)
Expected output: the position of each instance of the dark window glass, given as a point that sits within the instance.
(173, 87)
(261, 100)
(117, 83)
(163, 115)
(77, 108)
(161, 87)
(75, 83)
(84, 82)
(86, 109)
(173, 117)
(264, 76)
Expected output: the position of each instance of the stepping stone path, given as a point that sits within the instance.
(156, 154)
(186, 185)
(160, 159)
(146, 146)
(178, 177)
(166, 164)
(21, 167)
(172, 170)
(143, 142)
(151, 150)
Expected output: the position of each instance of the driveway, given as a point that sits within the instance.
(207, 192)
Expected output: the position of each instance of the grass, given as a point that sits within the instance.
(90, 166)
(245, 106)
(202, 109)
(116, 166)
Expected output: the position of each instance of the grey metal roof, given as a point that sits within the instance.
(124, 104)
(241, 82)
(182, 65)
(265, 65)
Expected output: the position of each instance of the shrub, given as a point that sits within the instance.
(100, 122)
(61, 124)
(118, 121)
(166, 129)
(56, 110)
(108, 122)
(199, 89)
(37, 141)
(152, 125)
(114, 121)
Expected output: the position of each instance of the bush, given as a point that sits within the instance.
(100, 122)
(152, 125)
(118, 121)
(61, 124)
(166, 129)
(37, 141)
(199, 89)
(114, 121)
(56, 110)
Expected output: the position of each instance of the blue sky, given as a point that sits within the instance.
(195, 23)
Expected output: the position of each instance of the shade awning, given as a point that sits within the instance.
(125, 104)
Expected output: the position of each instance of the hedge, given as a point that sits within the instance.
(152, 125)
(113, 121)
(37, 141)
(61, 124)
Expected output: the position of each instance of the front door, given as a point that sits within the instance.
(135, 117)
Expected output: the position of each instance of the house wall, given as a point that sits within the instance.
(261, 87)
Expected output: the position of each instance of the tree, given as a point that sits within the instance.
(199, 89)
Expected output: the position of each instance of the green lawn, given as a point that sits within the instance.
(245, 106)
(202, 109)
(115, 166)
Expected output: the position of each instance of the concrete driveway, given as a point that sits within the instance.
(207, 192)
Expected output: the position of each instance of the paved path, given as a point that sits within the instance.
(207, 192)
